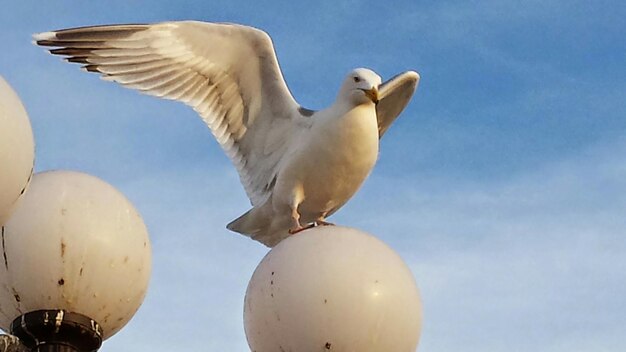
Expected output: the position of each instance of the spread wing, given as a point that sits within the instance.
(394, 95)
(227, 73)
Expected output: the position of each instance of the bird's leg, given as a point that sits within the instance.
(299, 228)
(296, 198)
(295, 219)
(321, 220)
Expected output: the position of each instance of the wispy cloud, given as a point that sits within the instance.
(529, 261)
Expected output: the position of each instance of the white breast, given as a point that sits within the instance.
(339, 156)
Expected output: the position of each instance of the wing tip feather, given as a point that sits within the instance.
(44, 37)
(90, 68)
(77, 59)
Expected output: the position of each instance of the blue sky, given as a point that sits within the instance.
(503, 184)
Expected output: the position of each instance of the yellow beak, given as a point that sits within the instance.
(372, 94)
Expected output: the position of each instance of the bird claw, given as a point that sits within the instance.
(316, 223)
(323, 223)
(295, 230)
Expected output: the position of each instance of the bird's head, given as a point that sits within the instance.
(361, 87)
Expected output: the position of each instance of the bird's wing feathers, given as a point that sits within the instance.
(394, 95)
(227, 73)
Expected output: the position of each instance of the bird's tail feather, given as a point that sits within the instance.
(256, 224)
(248, 224)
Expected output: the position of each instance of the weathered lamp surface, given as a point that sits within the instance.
(77, 244)
(332, 288)
(17, 150)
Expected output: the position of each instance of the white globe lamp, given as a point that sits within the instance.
(332, 288)
(17, 150)
(75, 265)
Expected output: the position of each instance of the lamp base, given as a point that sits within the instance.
(57, 331)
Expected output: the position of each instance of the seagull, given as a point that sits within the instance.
(297, 166)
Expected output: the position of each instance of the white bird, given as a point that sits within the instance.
(296, 165)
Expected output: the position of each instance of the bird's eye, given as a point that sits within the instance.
(357, 79)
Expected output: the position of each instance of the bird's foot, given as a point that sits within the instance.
(316, 223)
(294, 230)
(323, 223)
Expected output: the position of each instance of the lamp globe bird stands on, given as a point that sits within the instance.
(76, 263)
(332, 288)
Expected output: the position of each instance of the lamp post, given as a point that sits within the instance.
(76, 263)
